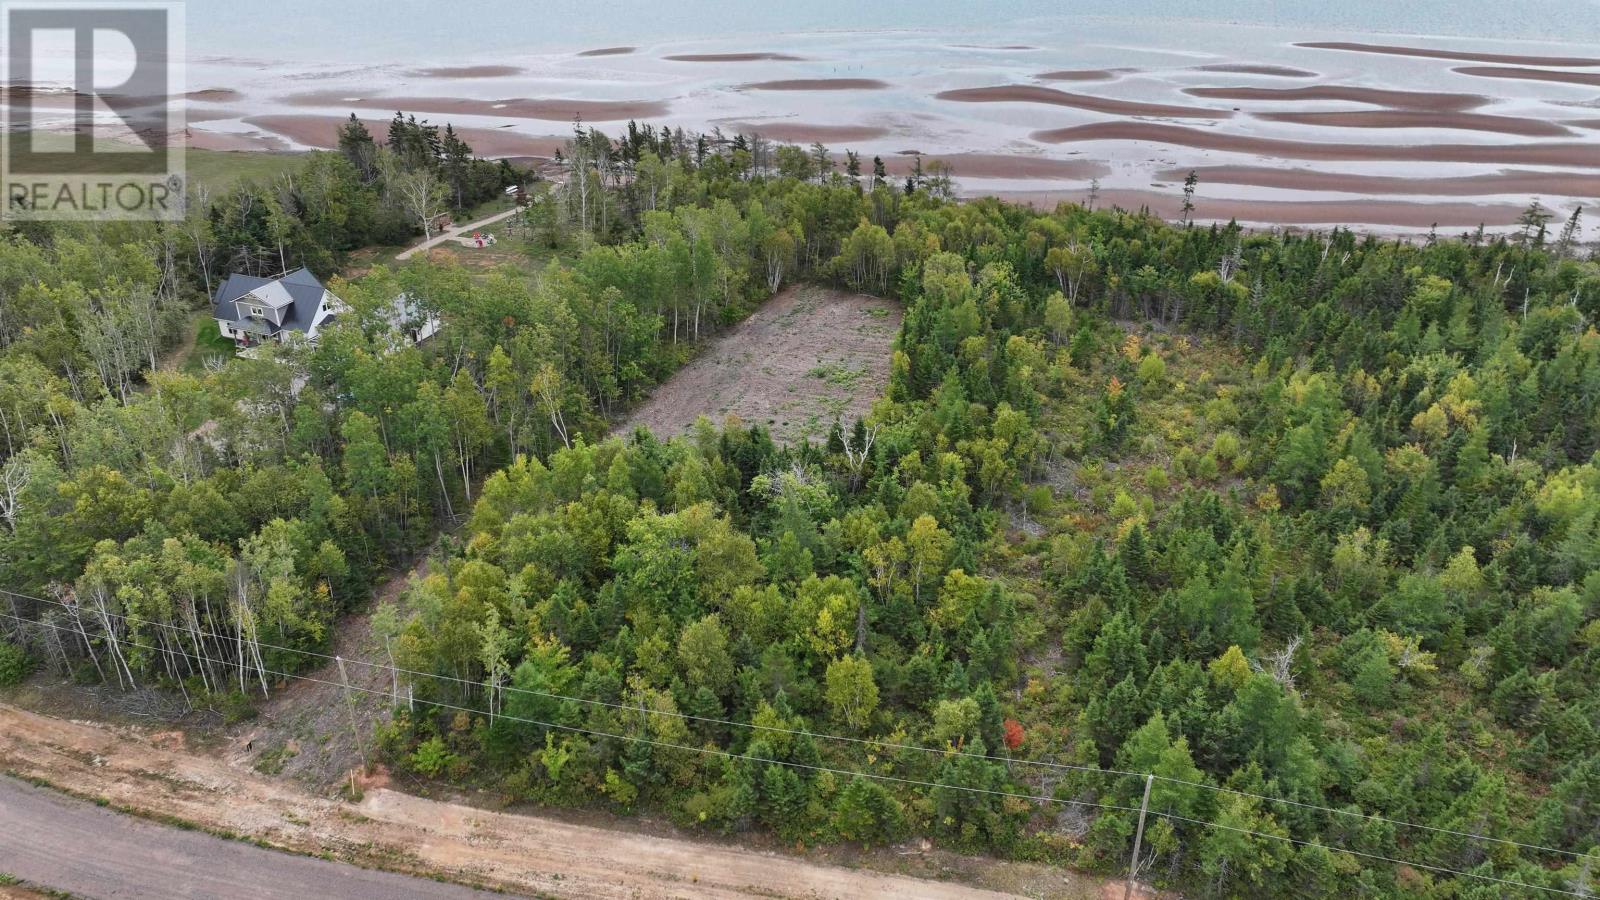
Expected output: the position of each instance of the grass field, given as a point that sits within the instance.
(221, 169)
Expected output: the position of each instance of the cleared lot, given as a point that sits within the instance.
(809, 356)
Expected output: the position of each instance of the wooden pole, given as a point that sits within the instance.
(1138, 838)
(349, 705)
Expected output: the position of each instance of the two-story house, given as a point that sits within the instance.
(253, 310)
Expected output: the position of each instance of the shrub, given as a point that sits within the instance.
(432, 757)
(15, 664)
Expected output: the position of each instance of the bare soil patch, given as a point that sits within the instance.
(536, 855)
(609, 51)
(1576, 154)
(808, 357)
(1469, 56)
(1033, 93)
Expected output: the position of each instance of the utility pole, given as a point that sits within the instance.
(1138, 837)
(349, 706)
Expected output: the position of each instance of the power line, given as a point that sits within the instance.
(854, 740)
(606, 734)
(1398, 862)
(714, 751)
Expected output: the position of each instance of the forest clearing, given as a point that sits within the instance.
(808, 357)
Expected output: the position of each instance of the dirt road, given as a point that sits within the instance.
(74, 846)
(456, 231)
(154, 776)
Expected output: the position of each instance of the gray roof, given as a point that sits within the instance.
(303, 288)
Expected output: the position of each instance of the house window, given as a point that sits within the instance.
(256, 311)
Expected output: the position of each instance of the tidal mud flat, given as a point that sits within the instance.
(1337, 118)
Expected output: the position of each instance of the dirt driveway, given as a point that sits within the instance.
(153, 776)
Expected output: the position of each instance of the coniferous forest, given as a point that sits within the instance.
(1306, 525)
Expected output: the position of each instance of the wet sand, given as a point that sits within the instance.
(321, 132)
(1519, 74)
(817, 84)
(1427, 100)
(514, 108)
(230, 141)
(802, 133)
(214, 95)
(1250, 69)
(1031, 93)
(1467, 56)
(468, 72)
(734, 57)
(1001, 165)
(1574, 154)
(609, 51)
(1392, 213)
(1079, 75)
(1556, 184)
(1384, 118)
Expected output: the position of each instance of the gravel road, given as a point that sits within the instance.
(53, 840)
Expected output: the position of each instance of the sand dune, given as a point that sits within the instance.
(1437, 102)
(817, 84)
(609, 51)
(515, 108)
(468, 72)
(1394, 213)
(1252, 69)
(1080, 75)
(803, 133)
(1558, 184)
(734, 57)
(1519, 74)
(1388, 118)
(1575, 154)
(322, 132)
(1467, 56)
(1030, 93)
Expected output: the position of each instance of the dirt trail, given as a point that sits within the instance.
(303, 729)
(154, 777)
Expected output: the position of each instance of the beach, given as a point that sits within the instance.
(1282, 125)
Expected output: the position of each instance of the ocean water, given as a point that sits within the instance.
(407, 31)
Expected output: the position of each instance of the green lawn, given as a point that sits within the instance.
(208, 342)
(221, 169)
